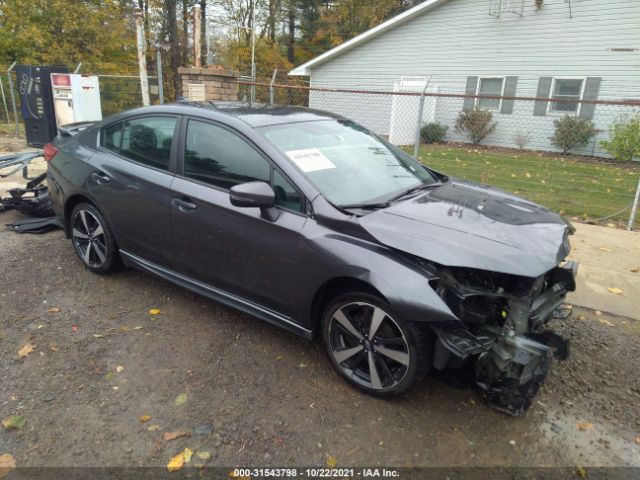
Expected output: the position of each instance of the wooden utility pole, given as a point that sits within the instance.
(142, 57)
(197, 46)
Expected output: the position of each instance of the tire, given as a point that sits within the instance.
(346, 328)
(92, 239)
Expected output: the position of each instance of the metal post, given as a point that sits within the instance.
(271, 90)
(142, 58)
(253, 54)
(160, 79)
(4, 101)
(13, 99)
(416, 147)
(634, 209)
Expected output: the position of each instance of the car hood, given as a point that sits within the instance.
(462, 224)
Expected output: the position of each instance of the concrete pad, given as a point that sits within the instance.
(607, 257)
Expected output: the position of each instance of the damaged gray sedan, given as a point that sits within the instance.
(310, 222)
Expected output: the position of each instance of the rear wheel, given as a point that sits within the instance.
(371, 347)
(93, 240)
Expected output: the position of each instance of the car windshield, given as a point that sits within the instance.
(347, 163)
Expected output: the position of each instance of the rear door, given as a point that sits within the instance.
(130, 180)
(228, 247)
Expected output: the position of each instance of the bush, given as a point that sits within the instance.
(433, 132)
(476, 124)
(571, 133)
(624, 139)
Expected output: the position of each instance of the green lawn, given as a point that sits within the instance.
(574, 186)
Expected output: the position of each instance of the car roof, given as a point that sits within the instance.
(259, 115)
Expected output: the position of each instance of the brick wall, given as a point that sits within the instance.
(219, 83)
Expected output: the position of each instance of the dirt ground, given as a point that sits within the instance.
(251, 394)
(256, 395)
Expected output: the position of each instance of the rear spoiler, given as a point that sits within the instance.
(72, 129)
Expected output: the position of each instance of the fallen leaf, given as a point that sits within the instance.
(598, 312)
(303, 365)
(138, 328)
(279, 357)
(168, 436)
(14, 421)
(155, 311)
(124, 328)
(615, 290)
(634, 269)
(53, 310)
(203, 455)
(7, 463)
(119, 369)
(605, 249)
(181, 399)
(582, 472)
(528, 175)
(176, 463)
(331, 462)
(187, 454)
(145, 418)
(53, 347)
(74, 328)
(581, 317)
(26, 350)
(97, 335)
(606, 322)
(584, 426)
(638, 440)
(153, 428)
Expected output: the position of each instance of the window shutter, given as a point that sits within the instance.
(544, 91)
(591, 90)
(510, 84)
(472, 88)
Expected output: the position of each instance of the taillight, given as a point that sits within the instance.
(48, 152)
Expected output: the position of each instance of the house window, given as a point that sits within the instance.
(493, 87)
(566, 89)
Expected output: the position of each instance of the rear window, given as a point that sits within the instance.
(146, 140)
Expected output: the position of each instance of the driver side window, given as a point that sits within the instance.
(219, 157)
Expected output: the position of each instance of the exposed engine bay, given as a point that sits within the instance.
(503, 335)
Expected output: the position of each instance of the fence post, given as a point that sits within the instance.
(634, 209)
(4, 101)
(160, 79)
(142, 58)
(416, 147)
(13, 99)
(77, 70)
(271, 90)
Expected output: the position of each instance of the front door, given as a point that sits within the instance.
(228, 247)
(131, 182)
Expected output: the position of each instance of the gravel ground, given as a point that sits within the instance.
(256, 395)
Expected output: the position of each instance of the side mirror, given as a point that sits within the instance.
(255, 194)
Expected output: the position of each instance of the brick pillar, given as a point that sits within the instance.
(219, 83)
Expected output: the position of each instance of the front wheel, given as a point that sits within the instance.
(372, 348)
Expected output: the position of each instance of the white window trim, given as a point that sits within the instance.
(491, 77)
(560, 113)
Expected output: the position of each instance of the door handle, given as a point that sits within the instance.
(100, 178)
(183, 205)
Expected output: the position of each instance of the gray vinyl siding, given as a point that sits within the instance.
(459, 39)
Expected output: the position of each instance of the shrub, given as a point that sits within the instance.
(433, 132)
(571, 133)
(624, 139)
(521, 139)
(476, 124)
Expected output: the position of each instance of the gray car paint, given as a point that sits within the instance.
(281, 267)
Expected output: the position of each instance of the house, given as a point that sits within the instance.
(565, 49)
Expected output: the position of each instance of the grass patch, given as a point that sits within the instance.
(574, 186)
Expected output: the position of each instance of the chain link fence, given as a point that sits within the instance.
(547, 149)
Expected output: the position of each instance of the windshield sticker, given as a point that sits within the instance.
(310, 160)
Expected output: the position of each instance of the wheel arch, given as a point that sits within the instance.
(334, 287)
